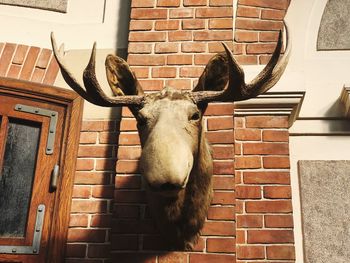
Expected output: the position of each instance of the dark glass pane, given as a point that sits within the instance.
(16, 176)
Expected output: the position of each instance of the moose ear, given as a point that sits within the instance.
(215, 74)
(120, 77)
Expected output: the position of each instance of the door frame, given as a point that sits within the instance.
(73, 104)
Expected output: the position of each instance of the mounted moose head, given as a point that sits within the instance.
(176, 161)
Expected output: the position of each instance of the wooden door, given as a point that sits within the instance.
(35, 130)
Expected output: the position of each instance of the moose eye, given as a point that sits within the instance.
(195, 116)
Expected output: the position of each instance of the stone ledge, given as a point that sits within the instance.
(272, 103)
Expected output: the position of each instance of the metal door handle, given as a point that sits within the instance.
(54, 178)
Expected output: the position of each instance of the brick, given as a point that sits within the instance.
(276, 4)
(181, 13)
(126, 211)
(246, 36)
(128, 125)
(220, 109)
(268, 36)
(247, 162)
(266, 177)
(255, 24)
(193, 24)
(172, 257)
(86, 235)
(108, 137)
(270, 236)
(142, 3)
(148, 13)
(218, 228)
(279, 221)
(222, 123)
(249, 221)
(92, 178)
(102, 220)
(99, 251)
(183, 84)
(221, 213)
(220, 3)
(88, 137)
(75, 250)
(225, 23)
(124, 242)
(81, 191)
(102, 191)
(240, 237)
(269, 206)
(139, 48)
(277, 192)
(223, 198)
(130, 196)
(6, 57)
(51, 72)
(147, 85)
(146, 60)
(130, 226)
(248, 134)
(220, 137)
(98, 126)
(193, 47)
(272, 162)
(202, 59)
(191, 72)
(167, 25)
(29, 63)
(179, 60)
(248, 192)
(214, 12)
(260, 48)
(212, 35)
(272, 14)
(164, 72)
(85, 164)
(129, 139)
(129, 153)
(140, 25)
(38, 75)
(266, 148)
(134, 257)
(166, 48)
(154, 242)
(179, 36)
(217, 47)
(223, 152)
(105, 164)
(275, 136)
(88, 206)
(250, 252)
(223, 182)
(147, 36)
(78, 220)
(246, 60)
(95, 151)
(21, 52)
(209, 258)
(127, 167)
(195, 2)
(44, 58)
(141, 73)
(221, 245)
(14, 71)
(168, 3)
(281, 252)
(223, 167)
(243, 11)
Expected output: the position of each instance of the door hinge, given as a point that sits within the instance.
(53, 123)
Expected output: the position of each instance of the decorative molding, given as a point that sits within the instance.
(53, 5)
(272, 103)
(345, 99)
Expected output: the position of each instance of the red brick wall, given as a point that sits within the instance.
(170, 43)
(27, 63)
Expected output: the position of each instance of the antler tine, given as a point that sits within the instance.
(236, 88)
(93, 92)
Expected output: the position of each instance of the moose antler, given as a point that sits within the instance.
(237, 89)
(92, 92)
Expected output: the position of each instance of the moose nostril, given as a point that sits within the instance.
(169, 187)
